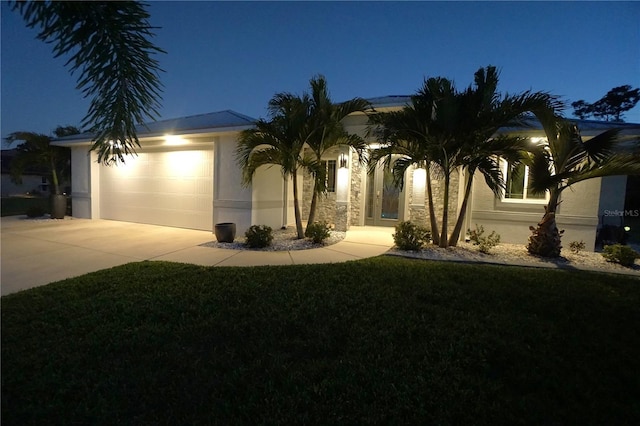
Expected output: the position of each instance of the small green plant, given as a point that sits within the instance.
(35, 211)
(409, 236)
(318, 232)
(485, 243)
(259, 236)
(576, 246)
(617, 253)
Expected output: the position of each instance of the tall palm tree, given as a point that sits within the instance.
(278, 141)
(109, 44)
(445, 130)
(483, 112)
(566, 160)
(327, 131)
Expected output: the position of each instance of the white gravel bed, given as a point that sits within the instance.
(517, 254)
(283, 240)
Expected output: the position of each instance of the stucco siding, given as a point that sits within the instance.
(577, 214)
(232, 202)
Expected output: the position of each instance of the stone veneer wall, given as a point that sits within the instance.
(326, 209)
(326, 206)
(356, 197)
(420, 214)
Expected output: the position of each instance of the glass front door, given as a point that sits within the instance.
(382, 206)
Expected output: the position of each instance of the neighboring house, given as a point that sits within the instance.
(34, 180)
(186, 175)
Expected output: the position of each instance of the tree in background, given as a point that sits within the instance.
(109, 44)
(611, 107)
(36, 150)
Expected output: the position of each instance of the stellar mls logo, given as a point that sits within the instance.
(622, 213)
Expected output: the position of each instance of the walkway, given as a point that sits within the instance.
(35, 252)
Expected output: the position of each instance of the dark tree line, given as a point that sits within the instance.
(611, 107)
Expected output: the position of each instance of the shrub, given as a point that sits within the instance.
(409, 236)
(35, 211)
(617, 253)
(259, 236)
(485, 243)
(317, 232)
(576, 246)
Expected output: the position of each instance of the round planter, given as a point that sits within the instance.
(225, 232)
(58, 206)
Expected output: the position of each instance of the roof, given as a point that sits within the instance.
(586, 127)
(389, 101)
(229, 120)
(201, 123)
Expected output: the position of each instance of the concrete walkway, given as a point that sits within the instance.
(35, 252)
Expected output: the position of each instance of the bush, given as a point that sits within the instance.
(35, 211)
(409, 236)
(617, 253)
(259, 236)
(485, 243)
(317, 232)
(576, 246)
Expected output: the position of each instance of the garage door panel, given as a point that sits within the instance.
(173, 188)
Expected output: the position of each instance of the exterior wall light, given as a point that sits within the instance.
(343, 161)
(419, 185)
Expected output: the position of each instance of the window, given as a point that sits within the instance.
(330, 174)
(518, 183)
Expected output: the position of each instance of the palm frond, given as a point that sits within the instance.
(98, 35)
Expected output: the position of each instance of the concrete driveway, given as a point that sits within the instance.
(35, 252)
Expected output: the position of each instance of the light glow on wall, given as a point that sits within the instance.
(342, 185)
(538, 141)
(182, 163)
(419, 185)
(173, 140)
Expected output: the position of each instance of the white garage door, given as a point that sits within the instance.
(171, 188)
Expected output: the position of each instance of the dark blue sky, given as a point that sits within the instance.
(231, 55)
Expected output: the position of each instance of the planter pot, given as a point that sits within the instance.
(58, 206)
(225, 232)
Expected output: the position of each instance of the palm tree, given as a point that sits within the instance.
(109, 43)
(36, 150)
(445, 130)
(565, 160)
(278, 141)
(327, 131)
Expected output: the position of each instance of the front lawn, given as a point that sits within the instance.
(379, 341)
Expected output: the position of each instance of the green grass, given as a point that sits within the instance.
(379, 341)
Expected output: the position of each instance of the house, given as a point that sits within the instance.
(186, 175)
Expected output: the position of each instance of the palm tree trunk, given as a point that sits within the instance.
(54, 177)
(435, 236)
(455, 235)
(296, 205)
(445, 211)
(312, 209)
(545, 239)
(552, 205)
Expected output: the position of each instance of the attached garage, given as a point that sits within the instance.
(184, 175)
(167, 187)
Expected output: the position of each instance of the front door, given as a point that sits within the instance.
(383, 203)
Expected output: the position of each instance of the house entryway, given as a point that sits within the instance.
(383, 204)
